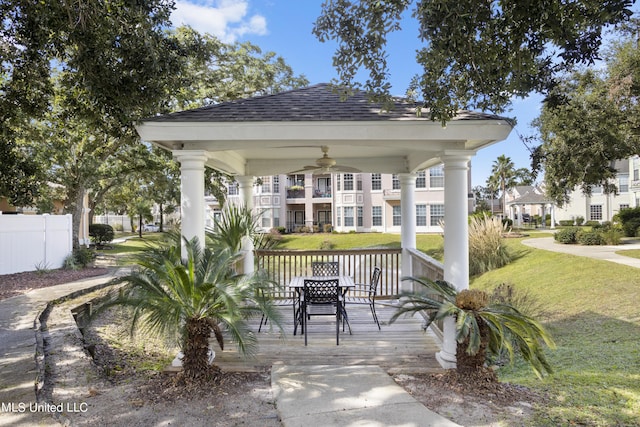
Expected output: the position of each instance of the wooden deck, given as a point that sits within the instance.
(400, 347)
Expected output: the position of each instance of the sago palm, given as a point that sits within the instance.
(192, 297)
(481, 326)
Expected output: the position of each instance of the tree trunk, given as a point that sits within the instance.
(467, 363)
(161, 218)
(195, 360)
(74, 206)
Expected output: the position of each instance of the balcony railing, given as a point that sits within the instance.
(325, 194)
(295, 193)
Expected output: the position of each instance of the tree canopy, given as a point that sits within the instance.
(588, 122)
(75, 77)
(113, 62)
(474, 55)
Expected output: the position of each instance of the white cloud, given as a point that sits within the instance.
(225, 19)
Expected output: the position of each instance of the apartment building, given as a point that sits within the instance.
(361, 202)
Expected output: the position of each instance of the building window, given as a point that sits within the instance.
(624, 206)
(376, 216)
(421, 180)
(359, 182)
(233, 189)
(376, 181)
(276, 217)
(348, 182)
(348, 216)
(359, 214)
(397, 216)
(421, 215)
(339, 216)
(276, 184)
(266, 184)
(596, 189)
(437, 215)
(338, 180)
(595, 212)
(296, 180)
(623, 183)
(266, 218)
(395, 182)
(436, 177)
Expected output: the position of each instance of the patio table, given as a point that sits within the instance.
(297, 283)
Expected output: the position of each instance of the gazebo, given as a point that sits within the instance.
(283, 132)
(529, 196)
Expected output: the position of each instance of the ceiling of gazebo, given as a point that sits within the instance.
(284, 132)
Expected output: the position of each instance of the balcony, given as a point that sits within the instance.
(321, 194)
(295, 192)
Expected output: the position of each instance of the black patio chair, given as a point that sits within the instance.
(324, 268)
(322, 297)
(281, 299)
(370, 292)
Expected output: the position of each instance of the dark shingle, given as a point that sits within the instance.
(312, 103)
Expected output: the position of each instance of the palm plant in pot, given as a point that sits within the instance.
(482, 327)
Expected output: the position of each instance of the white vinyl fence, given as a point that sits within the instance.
(30, 242)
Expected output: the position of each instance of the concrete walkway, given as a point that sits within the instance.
(305, 395)
(605, 253)
(19, 371)
(337, 396)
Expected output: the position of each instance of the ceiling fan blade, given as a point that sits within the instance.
(306, 169)
(339, 168)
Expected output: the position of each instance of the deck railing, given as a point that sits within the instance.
(425, 266)
(282, 265)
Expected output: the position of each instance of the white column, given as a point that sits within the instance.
(552, 208)
(456, 242)
(245, 185)
(192, 193)
(408, 221)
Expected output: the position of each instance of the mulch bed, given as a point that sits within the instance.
(20, 283)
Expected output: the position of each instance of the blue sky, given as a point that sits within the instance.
(284, 26)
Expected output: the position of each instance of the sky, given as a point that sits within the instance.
(284, 27)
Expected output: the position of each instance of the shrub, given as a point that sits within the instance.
(566, 222)
(327, 228)
(630, 227)
(612, 236)
(589, 238)
(327, 245)
(567, 235)
(101, 234)
(316, 229)
(80, 258)
(507, 222)
(579, 220)
(280, 229)
(486, 247)
(595, 224)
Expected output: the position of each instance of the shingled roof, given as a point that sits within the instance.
(530, 196)
(313, 103)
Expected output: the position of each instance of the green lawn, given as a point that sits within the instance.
(591, 308)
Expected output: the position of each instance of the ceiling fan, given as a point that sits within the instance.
(326, 164)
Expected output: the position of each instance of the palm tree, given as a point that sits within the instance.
(481, 327)
(192, 297)
(503, 174)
